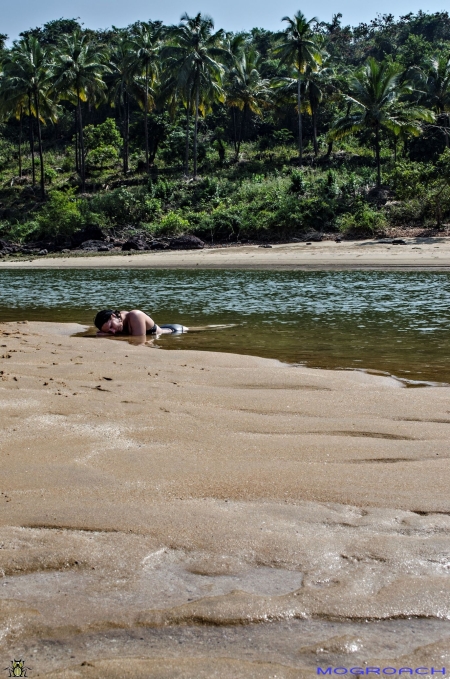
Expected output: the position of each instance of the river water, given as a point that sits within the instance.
(394, 322)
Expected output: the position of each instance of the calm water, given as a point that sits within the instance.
(394, 322)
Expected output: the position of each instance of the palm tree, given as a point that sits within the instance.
(145, 45)
(381, 101)
(122, 87)
(194, 70)
(300, 48)
(319, 80)
(27, 80)
(13, 103)
(235, 44)
(247, 90)
(80, 65)
(316, 80)
(437, 85)
(409, 118)
(315, 96)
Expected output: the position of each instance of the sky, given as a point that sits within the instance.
(232, 15)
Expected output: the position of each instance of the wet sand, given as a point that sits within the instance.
(194, 514)
(417, 253)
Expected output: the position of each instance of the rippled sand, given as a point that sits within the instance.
(190, 514)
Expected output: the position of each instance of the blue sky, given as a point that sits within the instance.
(233, 15)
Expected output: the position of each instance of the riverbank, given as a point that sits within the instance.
(147, 492)
(415, 254)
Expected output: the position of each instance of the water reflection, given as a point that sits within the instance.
(396, 322)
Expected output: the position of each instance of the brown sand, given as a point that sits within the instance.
(418, 253)
(145, 492)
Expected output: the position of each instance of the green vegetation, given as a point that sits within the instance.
(168, 130)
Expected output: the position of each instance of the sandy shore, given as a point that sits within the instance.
(418, 253)
(192, 514)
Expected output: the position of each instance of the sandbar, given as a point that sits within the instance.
(196, 514)
(415, 254)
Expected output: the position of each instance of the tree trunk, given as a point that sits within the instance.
(121, 109)
(329, 149)
(443, 117)
(33, 169)
(41, 155)
(236, 152)
(242, 130)
(377, 155)
(77, 153)
(126, 132)
(300, 132)
(121, 117)
(147, 163)
(197, 98)
(20, 143)
(186, 160)
(82, 159)
(314, 122)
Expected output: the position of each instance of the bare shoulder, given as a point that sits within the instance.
(137, 314)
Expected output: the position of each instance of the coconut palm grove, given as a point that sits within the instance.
(150, 132)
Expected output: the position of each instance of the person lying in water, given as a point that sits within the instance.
(136, 323)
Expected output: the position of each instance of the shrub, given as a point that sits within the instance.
(102, 156)
(174, 148)
(60, 215)
(105, 134)
(282, 137)
(172, 224)
(408, 180)
(351, 185)
(68, 162)
(123, 206)
(405, 212)
(20, 232)
(332, 187)
(365, 221)
(424, 186)
(222, 223)
(49, 175)
(162, 189)
(219, 143)
(102, 143)
(202, 193)
(298, 184)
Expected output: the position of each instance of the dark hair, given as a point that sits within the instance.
(103, 316)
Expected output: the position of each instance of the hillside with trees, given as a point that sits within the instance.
(151, 132)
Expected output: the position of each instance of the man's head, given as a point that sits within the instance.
(109, 321)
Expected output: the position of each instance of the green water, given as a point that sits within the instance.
(395, 322)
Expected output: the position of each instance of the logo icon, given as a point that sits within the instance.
(17, 668)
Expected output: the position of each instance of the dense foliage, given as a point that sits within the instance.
(257, 135)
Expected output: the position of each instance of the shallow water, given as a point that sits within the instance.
(396, 322)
